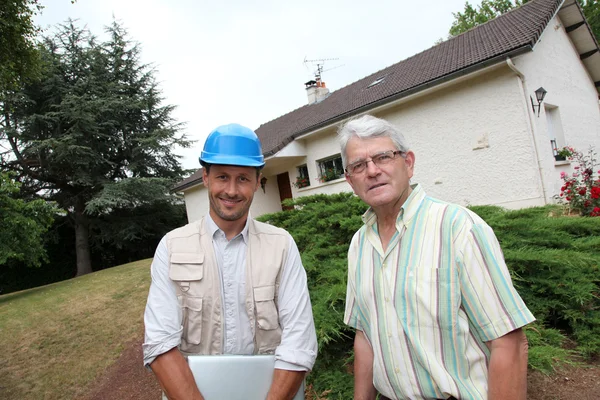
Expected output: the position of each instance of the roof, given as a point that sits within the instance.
(515, 31)
(510, 34)
(192, 180)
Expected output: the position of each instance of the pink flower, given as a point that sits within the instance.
(563, 174)
(577, 167)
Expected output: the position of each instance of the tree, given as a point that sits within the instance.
(19, 58)
(23, 225)
(591, 10)
(92, 134)
(490, 9)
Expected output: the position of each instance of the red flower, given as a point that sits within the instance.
(595, 212)
(582, 191)
(595, 192)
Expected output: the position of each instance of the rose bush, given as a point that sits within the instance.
(581, 189)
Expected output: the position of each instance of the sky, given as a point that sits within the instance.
(242, 61)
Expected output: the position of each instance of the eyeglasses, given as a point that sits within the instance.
(379, 159)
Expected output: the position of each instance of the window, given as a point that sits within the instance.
(302, 179)
(331, 168)
(376, 81)
(555, 130)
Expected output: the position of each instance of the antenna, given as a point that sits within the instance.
(320, 62)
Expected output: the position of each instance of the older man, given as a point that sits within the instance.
(435, 311)
(228, 284)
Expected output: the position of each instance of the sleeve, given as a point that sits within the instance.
(163, 317)
(351, 312)
(298, 348)
(489, 298)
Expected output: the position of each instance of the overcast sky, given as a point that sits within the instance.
(242, 61)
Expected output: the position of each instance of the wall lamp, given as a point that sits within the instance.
(539, 95)
(263, 183)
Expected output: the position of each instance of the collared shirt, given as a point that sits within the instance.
(428, 304)
(163, 316)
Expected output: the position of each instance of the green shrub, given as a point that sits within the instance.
(553, 259)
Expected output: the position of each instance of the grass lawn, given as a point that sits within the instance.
(56, 339)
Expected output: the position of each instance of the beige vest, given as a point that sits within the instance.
(193, 267)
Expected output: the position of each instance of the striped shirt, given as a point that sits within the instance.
(430, 301)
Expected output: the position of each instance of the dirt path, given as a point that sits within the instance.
(127, 379)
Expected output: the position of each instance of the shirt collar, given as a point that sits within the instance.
(212, 228)
(407, 211)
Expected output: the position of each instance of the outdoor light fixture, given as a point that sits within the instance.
(539, 95)
(263, 183)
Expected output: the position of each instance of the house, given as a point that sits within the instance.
(468, 108)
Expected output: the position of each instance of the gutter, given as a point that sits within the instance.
(536, 152)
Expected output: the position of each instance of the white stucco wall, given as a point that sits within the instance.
(196, 202)
(317, 148)
(267, 201)
(471, 142)
(554, 64)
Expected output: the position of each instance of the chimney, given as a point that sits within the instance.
(316, 91)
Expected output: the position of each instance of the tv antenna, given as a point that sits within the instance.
(320, 63)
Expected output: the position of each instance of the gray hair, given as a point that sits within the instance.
(367, 127)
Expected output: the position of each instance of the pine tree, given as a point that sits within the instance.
(93, 134)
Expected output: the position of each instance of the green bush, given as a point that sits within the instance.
(554, 261)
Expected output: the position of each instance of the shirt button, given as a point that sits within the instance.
(229, 284)
(387, 299)
(397, 370)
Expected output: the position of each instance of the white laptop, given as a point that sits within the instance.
(235, 377)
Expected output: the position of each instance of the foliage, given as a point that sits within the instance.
(581, 190)
(329, 174)
(92, 134)
(302, 181)
(490, 9)
(553, 259)
(471, 17)
(323, 226)
(19, 58)
(555, 265)
(121, 236)
(591, 10)
(24, 224)
(565, 152)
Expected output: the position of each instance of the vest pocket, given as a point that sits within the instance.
(192, 319)
(266, 311)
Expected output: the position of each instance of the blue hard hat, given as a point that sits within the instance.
(233, 144)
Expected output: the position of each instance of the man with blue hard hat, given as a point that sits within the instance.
(228, 284)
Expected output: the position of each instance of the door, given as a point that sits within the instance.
(285, 188)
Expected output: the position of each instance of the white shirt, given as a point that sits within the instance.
(163, 317)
